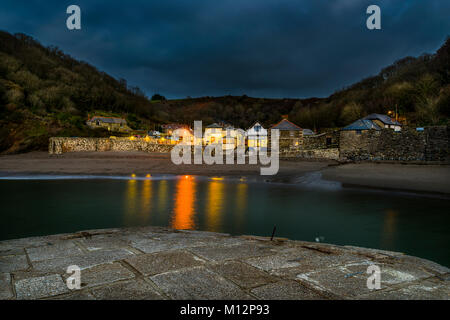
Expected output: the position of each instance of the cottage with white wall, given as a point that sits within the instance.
(257, 137)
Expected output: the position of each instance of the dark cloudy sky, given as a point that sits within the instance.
(264, 48)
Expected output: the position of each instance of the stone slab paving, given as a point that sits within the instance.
(105, 274)
(242, 274)
(13, 263)
(155, 263)
(5, 286)
(41, 287)
(53, 251)
(160, 263)
(198, 283)
(130, 290)
(288, 290)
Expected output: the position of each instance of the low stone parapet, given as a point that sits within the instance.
(317, 154)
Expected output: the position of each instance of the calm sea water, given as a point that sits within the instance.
(311, 210)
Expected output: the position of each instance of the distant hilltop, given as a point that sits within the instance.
(45, 92)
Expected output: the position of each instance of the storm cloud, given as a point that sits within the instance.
(262, 48)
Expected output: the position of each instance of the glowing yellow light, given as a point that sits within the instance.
(216, 199)
(148, 175)
(162, 195)
(132, 138)
(131, 206)
(133, 175)
(146, 203)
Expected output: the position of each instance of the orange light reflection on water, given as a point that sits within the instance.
(162, 195)
(131, 209)
(214, 207)
(138, 204)
(184, 204)
(146, 202)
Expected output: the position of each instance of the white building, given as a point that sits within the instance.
(226, 135)
(213, 134)
(257, 138)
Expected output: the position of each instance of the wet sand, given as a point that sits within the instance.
(139, 163)
(409, 177)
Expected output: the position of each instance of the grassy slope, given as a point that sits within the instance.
(44, 92)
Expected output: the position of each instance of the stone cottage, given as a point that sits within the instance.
(384, 121)
(110, 123)
(291, 135)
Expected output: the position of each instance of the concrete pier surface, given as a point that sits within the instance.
(160, 263)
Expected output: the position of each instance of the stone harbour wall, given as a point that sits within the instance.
(322, 141)
(60, 145)
(437, 146)
(318, 154)
(431, 144)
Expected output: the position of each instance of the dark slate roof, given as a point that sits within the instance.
(108, 120)
(383, 118)
(214, 125)
(286, 125)
(362, 124)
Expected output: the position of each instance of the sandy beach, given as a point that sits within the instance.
(408, 177)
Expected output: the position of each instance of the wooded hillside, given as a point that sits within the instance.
(45, 92)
